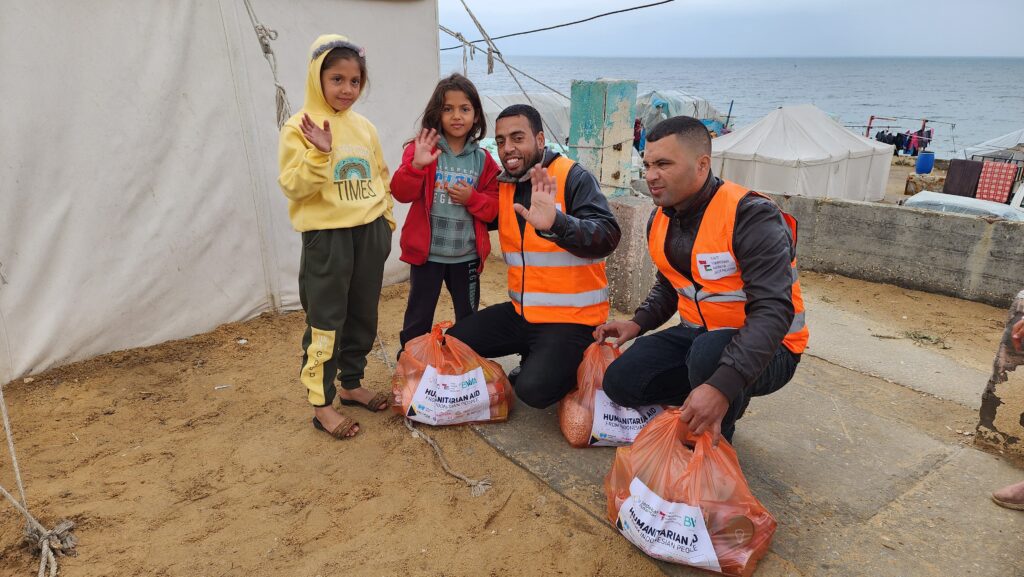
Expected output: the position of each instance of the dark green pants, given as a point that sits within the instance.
(340, 278)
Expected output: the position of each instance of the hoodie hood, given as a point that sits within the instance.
(469, 148)
(315, 104)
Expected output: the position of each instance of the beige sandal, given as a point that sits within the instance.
(339, 432)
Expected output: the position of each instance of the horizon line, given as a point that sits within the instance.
(761, 57)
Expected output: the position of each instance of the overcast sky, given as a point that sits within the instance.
(746, 28)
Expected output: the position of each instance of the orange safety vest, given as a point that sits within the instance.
(718, 300)
(548, 284)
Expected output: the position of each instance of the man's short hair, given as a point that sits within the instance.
(526, 110)
(688, 129)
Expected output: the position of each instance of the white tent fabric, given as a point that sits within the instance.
(1010, 145)
(140, 199)
(800, 150)
(554, 111)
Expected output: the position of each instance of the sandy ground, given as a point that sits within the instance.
(168, 472)
(965, 331)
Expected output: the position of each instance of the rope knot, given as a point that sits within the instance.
(60, 539)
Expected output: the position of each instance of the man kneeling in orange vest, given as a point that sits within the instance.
(555, 228)
(726, 260)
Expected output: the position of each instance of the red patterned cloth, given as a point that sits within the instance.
(996, 180)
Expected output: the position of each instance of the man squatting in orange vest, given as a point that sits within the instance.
(555, 228)
(726, 260)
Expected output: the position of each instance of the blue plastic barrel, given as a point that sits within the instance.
(925, 162)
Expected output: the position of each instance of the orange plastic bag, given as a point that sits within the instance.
(588, 417)
(439, 380)
(692, 507)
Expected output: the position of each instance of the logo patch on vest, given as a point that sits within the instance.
(715, 265)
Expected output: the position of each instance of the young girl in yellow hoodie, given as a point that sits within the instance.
(337, 185)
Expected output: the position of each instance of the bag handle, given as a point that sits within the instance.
(439, 329)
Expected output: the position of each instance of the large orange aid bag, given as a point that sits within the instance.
(439, 380)
(587, 417)
(680, 499)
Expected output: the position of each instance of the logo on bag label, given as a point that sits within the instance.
(450, 399)
(715, 265)
(615, 425)
(665, 530)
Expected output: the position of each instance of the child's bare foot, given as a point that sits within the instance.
(364, 397)
(331, 420)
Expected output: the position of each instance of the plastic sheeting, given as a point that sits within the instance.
(950, 203)
(140, 199)
(657, 105)
(800, 150)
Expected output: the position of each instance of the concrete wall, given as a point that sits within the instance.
(1001, 420)
(630, 269)
(961, 256)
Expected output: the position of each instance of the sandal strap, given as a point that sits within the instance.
(344, 426)
(377, 400)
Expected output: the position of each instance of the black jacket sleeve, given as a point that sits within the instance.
(587, 228)
(764, 248)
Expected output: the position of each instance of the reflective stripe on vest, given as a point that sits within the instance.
(547, 259)
(720, 302)
(578, 300)
(546, 283)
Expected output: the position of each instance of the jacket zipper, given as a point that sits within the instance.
(522, 256)
(696, 302)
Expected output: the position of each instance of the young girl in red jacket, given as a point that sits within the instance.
(452, 184)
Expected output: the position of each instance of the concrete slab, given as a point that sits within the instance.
(853, 342)
(946, 525)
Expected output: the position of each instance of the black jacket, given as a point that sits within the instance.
(586, 226)
(764, 249)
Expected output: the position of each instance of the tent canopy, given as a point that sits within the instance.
(1007, 146)
(145, 206)
(801, 150)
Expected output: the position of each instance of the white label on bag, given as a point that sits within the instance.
(450, 399)
(672, 532)
(615, 425)
(715, 265)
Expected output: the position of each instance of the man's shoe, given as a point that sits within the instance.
(1011, 496)
(513, 375)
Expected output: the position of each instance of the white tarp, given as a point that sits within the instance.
(553, 109)
(800, 150)
(1009, 145)
(139, 162)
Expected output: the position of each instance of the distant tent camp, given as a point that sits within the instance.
(800, 150)
(657, 105)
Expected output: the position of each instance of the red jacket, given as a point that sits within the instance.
(417, 187)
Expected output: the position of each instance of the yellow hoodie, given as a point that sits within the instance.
(348, 187)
